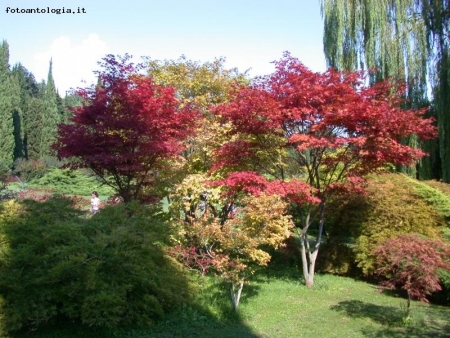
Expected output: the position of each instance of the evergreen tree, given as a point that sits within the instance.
(63, 105)
(33, 127)
(28, 88)
(51, 116)
(6, 109)
(70, 101)
(402, 39)
(17, 117)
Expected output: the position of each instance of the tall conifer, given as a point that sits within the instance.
(28, 89)
(51, 117)
(6, 109)
(17, 116)
(33, 126)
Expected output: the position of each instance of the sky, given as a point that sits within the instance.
(250, 34)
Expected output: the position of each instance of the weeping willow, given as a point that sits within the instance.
(399, 39)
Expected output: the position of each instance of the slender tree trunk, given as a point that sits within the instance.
(308, 253)
(408, 305)
(235, 294)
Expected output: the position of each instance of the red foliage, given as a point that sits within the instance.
(35, 195)
(349, 128)
(248, 110)
(412, 263)
(352, 184)
(246, 181)
(334, 130)
(193, 258)
(295, 191)
(254, 184)
(228, 151)
(125, 126)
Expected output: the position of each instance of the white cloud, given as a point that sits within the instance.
(72, 63)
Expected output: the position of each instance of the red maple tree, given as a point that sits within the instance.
(125, 126)
(412, 263)
(328, 130)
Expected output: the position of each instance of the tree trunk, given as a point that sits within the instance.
(236, 294)
(408, 306)
(308, 254)
(308, 260)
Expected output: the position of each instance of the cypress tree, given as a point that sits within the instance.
(50, 118)
(33, 127)
(17, 117)
(6, 109)
(28, 89)
(69, 101)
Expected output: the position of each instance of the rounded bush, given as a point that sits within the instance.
(105, 271)
(392, 206)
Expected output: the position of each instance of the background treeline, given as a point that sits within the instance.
(29, 115)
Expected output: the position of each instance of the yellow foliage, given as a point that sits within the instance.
(8, 209)
(187, 195)
(391, 207)
(241, 240)
(210, 135)
(204, 85)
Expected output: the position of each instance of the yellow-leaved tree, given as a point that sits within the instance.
(205, 85)
(227, 236)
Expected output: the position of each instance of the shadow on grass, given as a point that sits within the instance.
(195, 323)
(218, 295)
(186, 322)
(391, 318)
(282, 266)
(385, 315)
(413, 332)
(190, 320)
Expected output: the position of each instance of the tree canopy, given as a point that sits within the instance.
(328, 130)
(125, 127)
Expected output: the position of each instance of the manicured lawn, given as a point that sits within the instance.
(280, 306)
(337, 307)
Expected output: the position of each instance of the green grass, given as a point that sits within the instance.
(281, 306)
(337, 307)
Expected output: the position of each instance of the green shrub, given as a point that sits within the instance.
(336, 258)
(66, 181)
(431, 192)
(441, 186)
(392, 206)
(104, 271)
